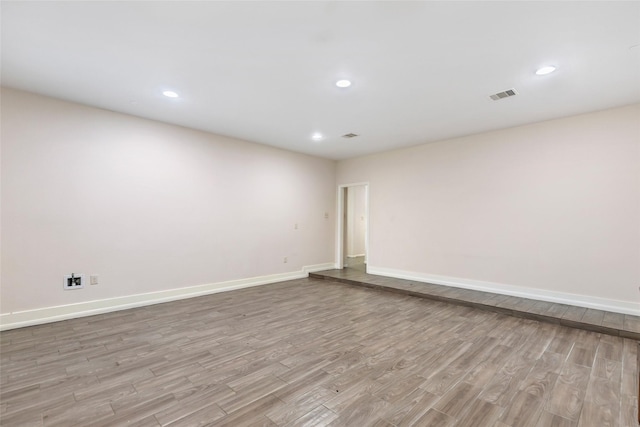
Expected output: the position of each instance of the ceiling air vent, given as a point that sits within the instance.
(506, 94)
(349, 135)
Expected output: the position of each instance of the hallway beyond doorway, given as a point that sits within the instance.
(356, 263)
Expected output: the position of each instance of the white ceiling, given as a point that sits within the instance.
(266, 71)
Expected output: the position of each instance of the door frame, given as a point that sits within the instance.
(340, 226)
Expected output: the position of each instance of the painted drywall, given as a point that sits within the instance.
(148, 207)
(551, 207)
(356, 224)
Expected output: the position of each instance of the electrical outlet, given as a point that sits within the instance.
(326, 215)
(285, 260)
(93, 280)
(73, 281)
(295, 227)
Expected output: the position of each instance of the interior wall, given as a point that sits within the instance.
(552, 206)
(356, 216)
(147, 206)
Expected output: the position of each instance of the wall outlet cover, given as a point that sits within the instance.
(73, 281)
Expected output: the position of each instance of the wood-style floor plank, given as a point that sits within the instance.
(626, 326)
(320, 353)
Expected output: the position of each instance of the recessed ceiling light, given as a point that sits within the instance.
(170, 94)
(343, 83)
(548, 69)
(317, 136)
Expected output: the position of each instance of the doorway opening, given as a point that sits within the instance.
(353, 226)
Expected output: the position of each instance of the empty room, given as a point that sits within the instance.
(319, 213)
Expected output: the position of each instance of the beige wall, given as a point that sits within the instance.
(147, 206)
(552, 206)
(150, 207)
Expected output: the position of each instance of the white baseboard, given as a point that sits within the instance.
(355, 256)
(586, 301)
(20, 319)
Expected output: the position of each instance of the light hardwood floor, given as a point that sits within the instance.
(313, 352)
